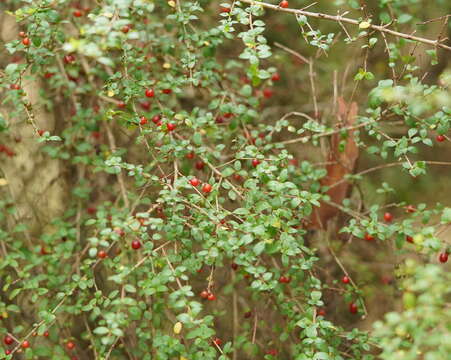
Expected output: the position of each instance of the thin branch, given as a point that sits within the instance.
(379, 28)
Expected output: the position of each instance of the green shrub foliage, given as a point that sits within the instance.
(193, 141)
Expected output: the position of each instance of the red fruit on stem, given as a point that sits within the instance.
(321, 312)
(345, 280)
(8, 340)
(77, 13)
(369, 237)
(190, 155)
(225, 10)
(143, 120)
(204, 294)
(199, 165)
(166, 91)
(26, 41)
(247, 314)
(234, 266)
(7, 352)
(443, 257)
(275, 77)
(150, 93)
(353, 308)
(207, 188)
(25, 344)
(156, 119)
(255, 162)
(48, 75)
(125, 29)
(145, 105)
(388, 217)
(211, 297)
(409, 239)
(102, 254)
(284, 4)
(170, 126)
(194, 182)
(440, 138)
(70, 345)
(46, 333)
(284, 280)
(267, 93)
(217, 341)
(41, 132)
(136, 245)
(22, 34)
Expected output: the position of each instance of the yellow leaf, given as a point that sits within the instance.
(177, 327)
(3, 182)
(167, 65)
(171, 3)
(364, 25)
(110, 93)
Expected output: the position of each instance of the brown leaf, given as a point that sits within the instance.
(342, 164)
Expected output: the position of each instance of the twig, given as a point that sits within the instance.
(379, 28)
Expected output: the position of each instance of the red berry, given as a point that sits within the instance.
(190, 155)
(150, 93)
(78, 13)
(194, 182)
(143, 120)
(267, 93)
(211, 297)
(46, 333)
(91, 210)
(204, 294)
(228, 115)
(272, 352)
(207, 188)
(41, 132)
(443, 257)
(440, 138)
(125, 29)
(166, 91)
(255, 162)
(275, 77)
(8, 340)
(156, 119)
(219, 120)
(345, 280)
(102, 254)
(22, 34)
(14, 87)
(199, 165)
(25, 344)
(388, 217)
(284, 280)
(369, 237)
(237, 177)
(121, 105)
(145, 105)
(234, 266)
(136, 244)
(217, 341)
(284, 4)
(7, 352)
(170, 126)
(225, 9)
(26, 41)
(321, 312)
(353, 308)
(247, 314)
(70, 345)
